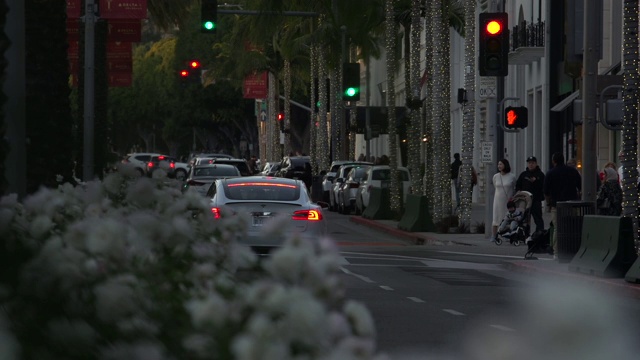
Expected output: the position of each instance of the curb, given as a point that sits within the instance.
(617, 285)
(414, 238)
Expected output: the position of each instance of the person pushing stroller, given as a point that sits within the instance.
(511, 221)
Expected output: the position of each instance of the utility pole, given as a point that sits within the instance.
(591, 53)
(89, 89)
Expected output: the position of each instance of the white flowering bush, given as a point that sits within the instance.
(132, 268)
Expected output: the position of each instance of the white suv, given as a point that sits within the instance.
(329, 177)
(379, 176)
(139, 161)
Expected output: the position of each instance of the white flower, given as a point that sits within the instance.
(115, 298)
(138, 325)
(143, 350)
(199, 344)
(112, 183)
(71, 333)
(249, 347)
(6, 217)
(40, 226)
(9, 346)
(105, 236)
(141, 193)
(360, 318)
(210, 310)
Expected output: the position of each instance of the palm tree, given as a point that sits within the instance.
(468, 121)
(390, 36)
(630, 123)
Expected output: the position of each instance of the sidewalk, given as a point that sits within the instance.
(479, 242)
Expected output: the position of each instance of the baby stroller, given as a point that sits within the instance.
(539, 243)
(523, 201)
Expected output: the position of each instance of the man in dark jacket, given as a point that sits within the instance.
(532, 180)
(455, 176)
(562, 183)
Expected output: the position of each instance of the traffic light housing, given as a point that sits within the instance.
(208, 16)
(351, 81)
(516, 117)
(493, 44)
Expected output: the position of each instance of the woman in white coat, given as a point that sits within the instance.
(504, 183)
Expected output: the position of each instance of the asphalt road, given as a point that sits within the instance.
(455, 302)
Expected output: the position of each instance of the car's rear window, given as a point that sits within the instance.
(216, 171)
(359, 172)
(381, 174)
(262, 191)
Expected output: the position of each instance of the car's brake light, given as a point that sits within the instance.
(216, 212)
(150, 164)
(172, 165)
(160, 157)
(310, 215)
(262, 184)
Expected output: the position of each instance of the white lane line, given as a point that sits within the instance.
(415, 299)
(363, 278)
(503, 328)
(453, 312)
(386, 287)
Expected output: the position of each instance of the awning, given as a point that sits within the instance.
(566, 102)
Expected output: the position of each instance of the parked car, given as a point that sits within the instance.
(202, 176)
(239, 163)
(349, 189)
(341, 174)
(194, 156)
(327, 179)
(296, 167)
(263, 200)
(379, 176)
(139, 161)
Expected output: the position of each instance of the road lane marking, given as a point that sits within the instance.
(453, 312)
(386, 287)
(363, 278)
(503, 328)
(415, 299)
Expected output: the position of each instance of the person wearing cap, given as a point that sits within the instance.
(532, 180)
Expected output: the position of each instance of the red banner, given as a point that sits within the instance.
(73, 51)
(73, 29)
(120, 79)
(123, 9)
(124, 30)
(74, 10)
(114, 66)
(255, 86)
(119, 51)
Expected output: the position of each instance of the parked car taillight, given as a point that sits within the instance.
(172, 165)
(216, 212)
(354, 185)
(150, 164)
(311, 215)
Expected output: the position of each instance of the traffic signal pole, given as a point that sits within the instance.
(89, 92)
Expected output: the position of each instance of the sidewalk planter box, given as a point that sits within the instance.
(416, 215)
(569, 228)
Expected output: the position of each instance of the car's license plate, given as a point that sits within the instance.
(258, 220)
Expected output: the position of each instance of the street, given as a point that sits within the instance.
(440, 300)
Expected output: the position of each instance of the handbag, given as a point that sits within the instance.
(605, 204)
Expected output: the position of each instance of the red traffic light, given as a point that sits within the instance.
(280, 116)
(194, 64)
(184, 73)
(493, 27)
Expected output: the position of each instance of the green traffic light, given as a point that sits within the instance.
(209, 25)
(350, 92)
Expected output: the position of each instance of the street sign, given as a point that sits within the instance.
(487, 152)
(487, 87)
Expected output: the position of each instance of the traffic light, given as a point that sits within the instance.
(280, 116)
(208, 16)
(516, 117)
(351, 81)
(494, 44)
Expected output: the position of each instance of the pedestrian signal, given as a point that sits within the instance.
(516, 117)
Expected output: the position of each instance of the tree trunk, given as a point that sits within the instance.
(390, 35)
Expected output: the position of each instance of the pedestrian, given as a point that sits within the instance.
(609, 199)
(561, 183)
(504, 183)
(532, 180)
(455, 178)
(253, 168)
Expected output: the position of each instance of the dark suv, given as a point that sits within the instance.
(242, 165)
(296, 167)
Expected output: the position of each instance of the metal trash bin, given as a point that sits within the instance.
(316, 188)
(569, 227)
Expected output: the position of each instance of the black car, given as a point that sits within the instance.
(296, 167)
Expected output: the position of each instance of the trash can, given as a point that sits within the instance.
(316, 188)
(569, 228)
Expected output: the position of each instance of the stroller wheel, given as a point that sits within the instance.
(516, 242)
(498, 241)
